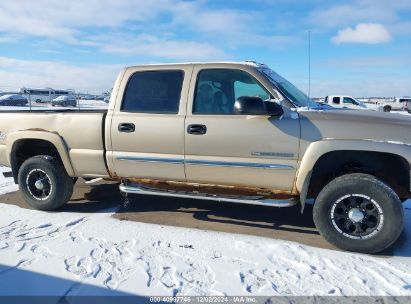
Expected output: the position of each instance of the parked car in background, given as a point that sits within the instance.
(64, 101)
(398, 104)
(13, 100)
(348, 102)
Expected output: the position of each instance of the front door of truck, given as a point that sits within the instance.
(147, 124)
(239, 150)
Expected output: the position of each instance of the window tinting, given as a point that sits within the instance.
(218, 89)
(350, 101)
(336, 100)
(153, 92)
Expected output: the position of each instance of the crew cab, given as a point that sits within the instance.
(231, 132)
(348, 102)
(398, 104)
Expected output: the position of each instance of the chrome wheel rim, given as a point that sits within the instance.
(39, 184)
(357, 216)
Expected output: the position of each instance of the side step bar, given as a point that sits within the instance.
(251, 200)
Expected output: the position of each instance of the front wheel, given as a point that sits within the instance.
(44, 182)
(387, 109)
(358, 212)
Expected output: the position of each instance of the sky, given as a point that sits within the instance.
(358, 47)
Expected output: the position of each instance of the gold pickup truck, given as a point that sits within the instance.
(232, 132)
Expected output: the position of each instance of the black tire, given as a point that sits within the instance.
(339, 206)
(56, 185)
(387, 109)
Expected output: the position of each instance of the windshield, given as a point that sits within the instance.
(298, 98)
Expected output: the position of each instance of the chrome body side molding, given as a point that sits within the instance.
(206, 162)
(238, 164)
(152, 159)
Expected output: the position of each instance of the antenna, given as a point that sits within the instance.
(309, 64)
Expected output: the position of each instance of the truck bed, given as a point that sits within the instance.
(82, 132)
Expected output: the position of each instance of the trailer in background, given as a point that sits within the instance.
(44, 95)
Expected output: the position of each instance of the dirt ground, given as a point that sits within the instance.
(277, 223)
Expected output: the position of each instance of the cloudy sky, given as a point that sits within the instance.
(359, 47)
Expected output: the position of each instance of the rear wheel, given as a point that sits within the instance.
(387, 109)
(358, 212)
(45, 183)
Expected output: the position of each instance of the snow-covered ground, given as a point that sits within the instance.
(69, 254)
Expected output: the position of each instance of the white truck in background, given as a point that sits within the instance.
(398, 104)
(348, 102)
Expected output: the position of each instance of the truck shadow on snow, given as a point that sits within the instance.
(24, 286)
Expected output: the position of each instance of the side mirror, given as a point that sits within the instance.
(247, 105)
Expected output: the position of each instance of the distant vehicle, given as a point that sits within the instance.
(399, 104)
(13, 100)
(348, 102)
(64, 101)
(44, 95)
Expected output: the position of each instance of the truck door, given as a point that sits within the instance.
(336, 102)
(239, 150)
(147, 124)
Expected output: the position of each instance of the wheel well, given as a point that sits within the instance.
(390, 168)
(25, 148)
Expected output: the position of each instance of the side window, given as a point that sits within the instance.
(350, 101)
(218, 89)
(153, 92)
(336, 100)
(249, 89)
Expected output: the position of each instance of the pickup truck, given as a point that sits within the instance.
(348, 102)
(398, 104)
(231, 132)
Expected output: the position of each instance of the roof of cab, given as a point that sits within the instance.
(248, 63)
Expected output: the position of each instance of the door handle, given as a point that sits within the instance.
(197, 129)
(126, 127)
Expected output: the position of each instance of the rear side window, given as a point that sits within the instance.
(336, 100)
(153, 92)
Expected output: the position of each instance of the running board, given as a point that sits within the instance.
(251, 200)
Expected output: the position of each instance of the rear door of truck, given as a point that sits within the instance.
(146, 123)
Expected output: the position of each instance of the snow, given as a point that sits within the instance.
(69, 254)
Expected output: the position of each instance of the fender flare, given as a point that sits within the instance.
(319, 148)
(51, 137)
